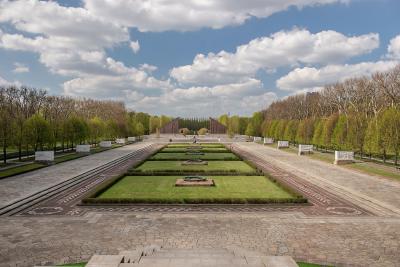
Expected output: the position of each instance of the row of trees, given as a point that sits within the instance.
(32, 120)
(361, 114)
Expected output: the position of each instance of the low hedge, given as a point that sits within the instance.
(180, 173)
(205, 159)
(193, 201)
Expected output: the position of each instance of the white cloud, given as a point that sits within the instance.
(394, 48)
(243, 98)
(20, 68)
(280, 49)
(312, 79)
(135, 46)
(70, 41)
(147, 68)
(161, 15)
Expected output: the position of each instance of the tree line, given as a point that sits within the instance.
(359, 114)
(32, 120)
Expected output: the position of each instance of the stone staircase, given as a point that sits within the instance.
(156, 256)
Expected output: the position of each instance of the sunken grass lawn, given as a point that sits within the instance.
(184, 156)
(162, 189)
(196, 145)
(213, 166)
(184, 150)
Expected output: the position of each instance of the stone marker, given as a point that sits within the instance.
(268, 141)
(344, 157)
(120, 141)
(131, 139)
(283, 144)
(257, 139)
(105, 144)
(306, 149)
(44, 156)
(82, 149)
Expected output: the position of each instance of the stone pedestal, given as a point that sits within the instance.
(105, 144)
(46, 157)
(306, 149)
(344, 157)
(268, 141)
(283, 144)
(82, 149)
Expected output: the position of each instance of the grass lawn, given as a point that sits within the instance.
(20, 169)
(200, 145)
(231, 166)
(183, 149)
(183, 156)
(376, 169)
(163, 188)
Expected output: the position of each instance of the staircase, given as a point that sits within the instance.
(155, 256)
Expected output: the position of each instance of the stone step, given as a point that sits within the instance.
(196, 261)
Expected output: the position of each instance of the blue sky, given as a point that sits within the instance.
(84, 49)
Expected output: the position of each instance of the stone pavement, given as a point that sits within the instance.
(372, 241)
(23, 185)
(374, 193)
(355, 241)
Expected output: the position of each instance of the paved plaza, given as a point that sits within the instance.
(367, 239)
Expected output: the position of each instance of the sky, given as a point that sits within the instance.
(194, 58)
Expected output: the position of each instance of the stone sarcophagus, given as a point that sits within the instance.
(120, 141)
(44, 156)
(283, 144)
(257, 139)
(105, 144)
(132, 139)
(306, 149)
(344, 157)
(82, 149)
(268, 141)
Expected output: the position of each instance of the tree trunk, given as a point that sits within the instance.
(384, 156)
(396, 158)
(5, 151)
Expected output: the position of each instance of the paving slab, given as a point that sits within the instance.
(23, 185)
(368, 191)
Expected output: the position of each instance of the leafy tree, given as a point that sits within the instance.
(38, 132)
(140, 130)
(389, 129)
(339, 136)
(318, 129)
(202, 131)
(257, 120)
(96, 129)
(327, 132)
(250, 130)
(291, 130)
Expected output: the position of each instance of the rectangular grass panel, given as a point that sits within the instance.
(213, 166)
(200, 145)
(204, 149)
(227, 189)
(184, 156)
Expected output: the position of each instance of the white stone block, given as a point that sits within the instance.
(120, 141)
(268, 141)
(82, 149)
(257, 139)
(283, 144)
(46, 156)
(132, 139)
(344, 157)
(105, 144)
(303, 149)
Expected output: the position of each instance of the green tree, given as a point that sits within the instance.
(250, 130)
(339, 136)
(140, 130)
(318, 129)
(389, 128)
(37, 132)
(257, 120)
(291, 130)
(96, 129)
(327, 132)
